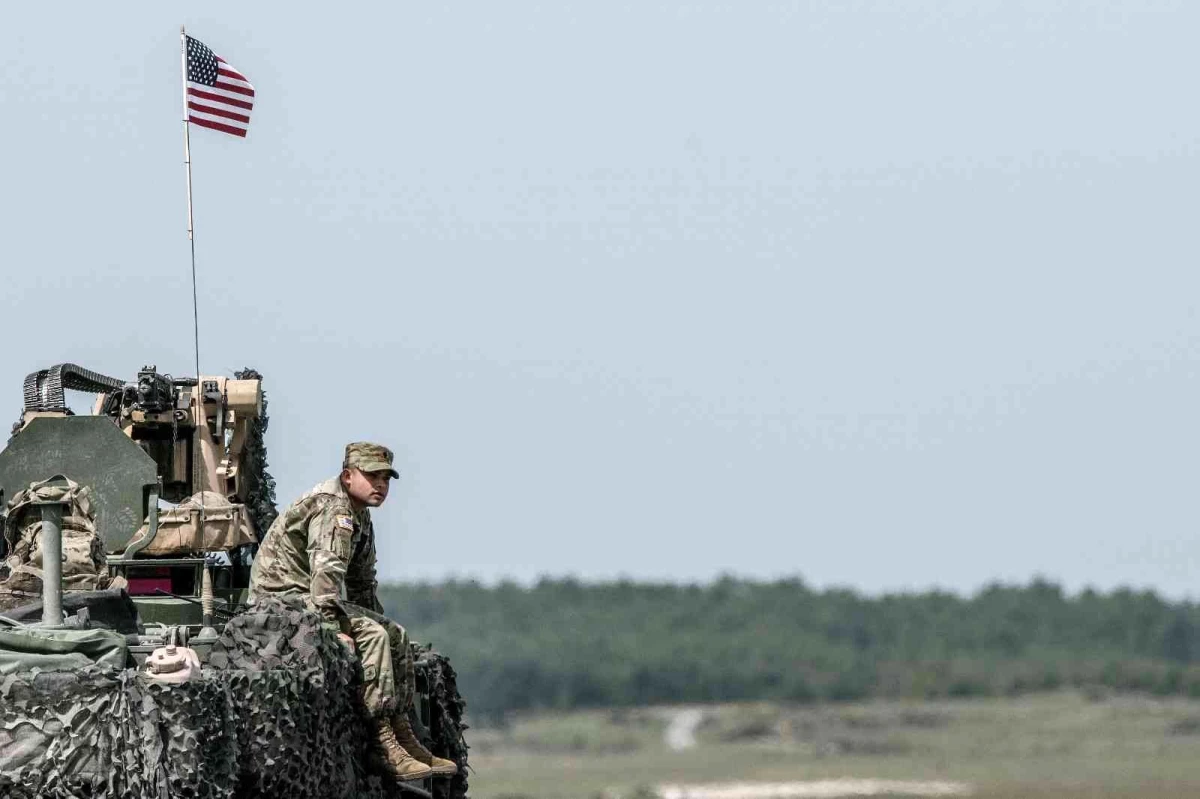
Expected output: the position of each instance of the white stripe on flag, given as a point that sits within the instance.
(233, 123)
(241, 98)
(228, 78)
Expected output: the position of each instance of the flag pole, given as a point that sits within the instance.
(198, 471)
(187, 149)
(187, 161)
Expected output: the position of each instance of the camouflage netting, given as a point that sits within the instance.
(436, 678)
(103, 733)
(260, 485)
(276, 714)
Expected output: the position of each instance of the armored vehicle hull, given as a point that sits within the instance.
(261, 702)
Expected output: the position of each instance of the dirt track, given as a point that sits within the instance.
(813, 789)
(681, 730)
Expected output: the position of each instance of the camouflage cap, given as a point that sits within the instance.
(369, 458)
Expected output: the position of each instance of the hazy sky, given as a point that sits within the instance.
(884, 294)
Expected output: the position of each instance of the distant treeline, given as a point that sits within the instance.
(563, 643)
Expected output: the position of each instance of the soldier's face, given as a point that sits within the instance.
(367, 488)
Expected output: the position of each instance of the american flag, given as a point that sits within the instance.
(218, 96)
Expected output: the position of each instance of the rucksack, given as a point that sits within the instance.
(85, 566)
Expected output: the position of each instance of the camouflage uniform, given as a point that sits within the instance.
(321, 547)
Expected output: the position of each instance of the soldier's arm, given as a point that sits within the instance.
(361, 586)
(329, 532)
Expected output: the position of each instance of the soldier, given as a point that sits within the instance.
(325, 543)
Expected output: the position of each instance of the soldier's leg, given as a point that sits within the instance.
(373, 646)
(403, 671)
(405, 678)
(373, 643)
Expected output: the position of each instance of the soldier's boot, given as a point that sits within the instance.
(439, 766)
(392, 757)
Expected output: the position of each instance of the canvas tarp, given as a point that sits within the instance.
(27, 648)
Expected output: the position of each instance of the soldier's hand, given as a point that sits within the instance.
(347, 640)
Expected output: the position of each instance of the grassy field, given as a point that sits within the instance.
(1060, 745)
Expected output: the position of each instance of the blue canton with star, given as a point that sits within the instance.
(201, 63)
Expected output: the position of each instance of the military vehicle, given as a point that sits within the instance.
(148, 676)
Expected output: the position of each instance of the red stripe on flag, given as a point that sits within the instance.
(220, 99)
(229, 87)
(225, 69)
(205, 123)
(217, 112)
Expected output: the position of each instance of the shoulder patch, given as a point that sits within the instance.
(345, 522)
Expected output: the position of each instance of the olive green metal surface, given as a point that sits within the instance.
(92, 451)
